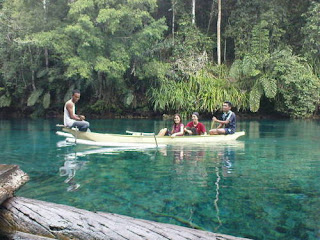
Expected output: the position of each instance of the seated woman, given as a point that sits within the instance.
(195, 127)
(177, 128)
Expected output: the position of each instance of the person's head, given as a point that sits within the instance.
(226, 106)
(195, 116)
(177, 119)
(75, 95)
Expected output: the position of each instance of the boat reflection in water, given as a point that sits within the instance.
(72, 164)
(191, 163)
(184, 152)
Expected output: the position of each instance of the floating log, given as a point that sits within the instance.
(64, 222)
(11, 178)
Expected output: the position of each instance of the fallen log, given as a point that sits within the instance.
(22, 236)
(64, 222)
(11, 178)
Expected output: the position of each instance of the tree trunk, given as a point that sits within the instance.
(173, 19)
(63, 222)
(219, 33)
(32, 70)
(33, 81)
(211, 16)
(225, 51)
(100, 87)
(46, 53)
(193, 11)
(46, 57)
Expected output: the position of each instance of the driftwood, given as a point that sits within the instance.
(22, 236)
(11, 178)
(64, 222)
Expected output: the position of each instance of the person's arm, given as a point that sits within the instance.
(220, 121)
(73, 116)
(186, 130)
(203, 129)
(179, 133)
(220, 125)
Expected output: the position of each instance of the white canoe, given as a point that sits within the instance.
(119, 138)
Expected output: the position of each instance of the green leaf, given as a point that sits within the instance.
(46, 100)
(5, 101)
(269, 86)
(34, 96)
(255, 96)
(42, 73)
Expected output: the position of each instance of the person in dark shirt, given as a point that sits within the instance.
(228, 123)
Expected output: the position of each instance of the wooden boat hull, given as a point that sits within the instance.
(119, 138)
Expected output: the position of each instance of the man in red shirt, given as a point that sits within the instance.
(195, 127)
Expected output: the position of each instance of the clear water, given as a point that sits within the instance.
(267, 186)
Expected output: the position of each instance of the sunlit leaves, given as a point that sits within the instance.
(311, 31)
(202, 92)
(110, 18)
(81, 7)
(78, 66)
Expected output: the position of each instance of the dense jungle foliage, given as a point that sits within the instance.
(144, 56)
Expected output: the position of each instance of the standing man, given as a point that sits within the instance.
(71, 119)
(227, 124)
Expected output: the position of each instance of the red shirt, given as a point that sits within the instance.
(201, 129)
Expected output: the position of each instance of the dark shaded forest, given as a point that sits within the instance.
(149, 57)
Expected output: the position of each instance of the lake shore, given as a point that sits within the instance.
(13, 113)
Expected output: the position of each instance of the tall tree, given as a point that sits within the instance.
(193, 11)
(173, 9)
(219, 33)
(211, 16)
(46, 53)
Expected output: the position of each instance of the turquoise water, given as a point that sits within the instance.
(267, 186)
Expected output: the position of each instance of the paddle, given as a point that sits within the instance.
(212, 124)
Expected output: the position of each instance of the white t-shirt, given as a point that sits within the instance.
(66, 118)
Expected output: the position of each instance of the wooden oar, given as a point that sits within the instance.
(212, 124)
(155, 139)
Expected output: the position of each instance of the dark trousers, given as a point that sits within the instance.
(81, 125)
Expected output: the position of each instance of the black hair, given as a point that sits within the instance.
(229, 103)
(197, 114)
(75, 91)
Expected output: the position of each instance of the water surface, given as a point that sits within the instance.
(265, 186)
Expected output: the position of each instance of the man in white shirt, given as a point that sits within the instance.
(71, 119)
